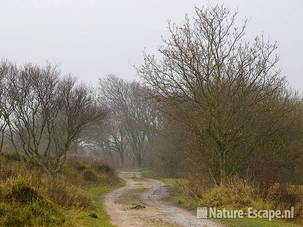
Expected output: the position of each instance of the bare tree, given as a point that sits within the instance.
(34, 101)
(135, 114)
(48, 113)
(80, 110)
(5, 109)
(111, 137)
(221, 84)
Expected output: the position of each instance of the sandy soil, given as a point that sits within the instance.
(140, 203)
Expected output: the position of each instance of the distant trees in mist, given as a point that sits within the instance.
(132, 121)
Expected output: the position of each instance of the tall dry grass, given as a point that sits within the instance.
(31, 197)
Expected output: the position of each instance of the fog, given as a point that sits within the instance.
(93, 38)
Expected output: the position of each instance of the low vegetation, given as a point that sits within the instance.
(238, 195)
(73, 197)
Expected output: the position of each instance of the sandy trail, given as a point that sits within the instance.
(140, 204)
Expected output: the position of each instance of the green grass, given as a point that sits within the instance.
(171, 182)
(183, 200)
(246, 222)
(96, 194)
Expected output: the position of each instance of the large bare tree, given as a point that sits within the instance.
(222, 85)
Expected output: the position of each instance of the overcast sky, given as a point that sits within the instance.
(92, 38)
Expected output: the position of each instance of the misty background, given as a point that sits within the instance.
(93, 38)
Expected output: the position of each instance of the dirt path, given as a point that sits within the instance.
(140, 204)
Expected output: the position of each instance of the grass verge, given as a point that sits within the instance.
(246, 222)
(73, 197)
(181, 199)
(96, 216)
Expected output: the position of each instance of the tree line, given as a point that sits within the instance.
(46, 116)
